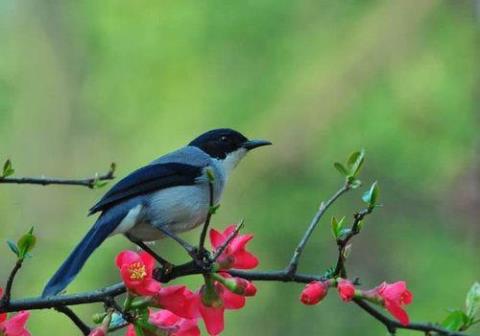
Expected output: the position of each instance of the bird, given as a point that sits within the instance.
(170, 194)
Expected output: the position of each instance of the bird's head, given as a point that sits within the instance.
(226, 145)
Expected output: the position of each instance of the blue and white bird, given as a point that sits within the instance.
(171, 192)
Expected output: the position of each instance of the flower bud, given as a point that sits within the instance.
(244, 287)
(346, 290)
(314, 292)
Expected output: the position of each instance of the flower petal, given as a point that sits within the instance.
(232, 300)
(216, 238)
(213, 318)
(163, 318)
(188, 327)
(149, 262)
(126, 257)
(179, 300)
(397, 312)
(239, 242)
(228, 230)
(148, 287)
(245, 260)
(130, 331)
(15, 326)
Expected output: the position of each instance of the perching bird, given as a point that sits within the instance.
(172, 192)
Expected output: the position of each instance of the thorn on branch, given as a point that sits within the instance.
(227, 241)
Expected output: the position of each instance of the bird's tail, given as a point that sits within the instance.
(75, 261)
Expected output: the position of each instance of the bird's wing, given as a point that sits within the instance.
(148, 179)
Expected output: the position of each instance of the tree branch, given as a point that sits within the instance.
(90, 182)
(8, 288)
(293, 265)
(107, 295)
(211, 211)
(393, 325)
(85, 329)
(342, 243)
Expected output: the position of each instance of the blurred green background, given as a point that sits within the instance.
(85, 83)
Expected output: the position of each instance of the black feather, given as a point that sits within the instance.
(147, 179)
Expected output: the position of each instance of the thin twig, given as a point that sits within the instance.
(293, 264)
(8, 288)
(211, 210)
(86, 182)
(342, 242)
(106, 294)
(147, 249)
(227, 241)
(393, 325)
(84, 328)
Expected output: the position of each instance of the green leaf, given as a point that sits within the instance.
(473, 301)
(355, 162)
(210, 175)
(26, 243)
(455, 320)
(337, 226)
(99, 184)
(341, 168)
(371, 195)
(7, 169)
(213, 209)
(354, 183)
(13, 247)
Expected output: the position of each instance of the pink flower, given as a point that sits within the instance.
(168, 321)
(97, 332)
(314, 292)
(136, 270)
(15, 326)
(3, 316)
(235, 255)
(346, 290)
(244, 287)
(212, 306)
(177, 299)
(236, 285)
(184, 327)
(395, 296)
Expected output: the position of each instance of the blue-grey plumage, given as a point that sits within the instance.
(171, 192)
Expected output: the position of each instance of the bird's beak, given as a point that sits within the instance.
(251, 144)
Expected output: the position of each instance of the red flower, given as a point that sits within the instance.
(15, 326)
(244, 287)
(314, 292)
(236, 285)
(346, 290)
(211, 306)
(395, 296)
(97, 332)
(136, 270)
(235, 255)
(166, 320)
(184, 327)
(177, 299)
(3, 316)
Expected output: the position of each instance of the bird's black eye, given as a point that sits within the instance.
(224, 139)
